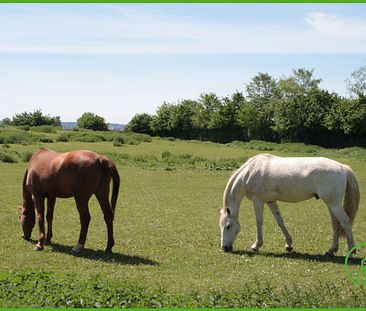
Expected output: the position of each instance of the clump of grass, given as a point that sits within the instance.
(182, 159)
(26, 156)
(136, 138)
(46, 140)
(7, 158)
(63, 137)
(17, 137)
(44, 129)
(229, 164)
(119, 141)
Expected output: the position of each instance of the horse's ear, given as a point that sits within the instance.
(20, 208)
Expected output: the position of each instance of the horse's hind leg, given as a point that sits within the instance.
(108, 218)
(50, 207)
(273, 206)
(341, 215)
(83, 209)
(258, 209)
(335, 242)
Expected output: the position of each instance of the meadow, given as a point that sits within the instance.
(167, 236)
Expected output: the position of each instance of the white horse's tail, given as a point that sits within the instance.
(351, 198)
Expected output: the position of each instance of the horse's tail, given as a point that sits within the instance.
(351, 198)
(110, 171)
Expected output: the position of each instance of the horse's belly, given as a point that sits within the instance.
(290, 194)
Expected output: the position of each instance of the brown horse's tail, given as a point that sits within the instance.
(110, 171)
(351, 198)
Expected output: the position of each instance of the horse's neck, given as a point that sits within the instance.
(235, 190)
(27, 197)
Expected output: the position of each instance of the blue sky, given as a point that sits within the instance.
(117, 60)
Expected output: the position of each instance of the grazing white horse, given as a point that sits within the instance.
(266, 179)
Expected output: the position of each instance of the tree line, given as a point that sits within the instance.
(290, 109)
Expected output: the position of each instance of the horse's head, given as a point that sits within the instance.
(27, 219)
(230, 227)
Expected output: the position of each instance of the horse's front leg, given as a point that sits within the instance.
(258, 209)
(83, 209)
(273, 206)
(50, 207)
(39, 204)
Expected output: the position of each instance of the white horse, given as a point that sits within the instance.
(267, 179)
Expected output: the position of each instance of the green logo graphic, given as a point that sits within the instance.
(355, 268)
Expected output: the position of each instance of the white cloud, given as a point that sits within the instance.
(127, 31)
(337, 26)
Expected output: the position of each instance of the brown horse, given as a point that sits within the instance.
(78, 174)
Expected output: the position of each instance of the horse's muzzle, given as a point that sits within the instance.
(227, 249)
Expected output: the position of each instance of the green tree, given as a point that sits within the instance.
(226, 116)
(300, 82)
(182, 117)
(91, 121)
(35, 118)
(356, 85)
(161, 123)
(6, 121)
(302, 116)
(347, 116)
(262, 94)
(208, 105)
(140, 123)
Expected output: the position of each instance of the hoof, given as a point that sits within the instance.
(289, 249)
(254, 249)
(38, 248)
(25, 239)
(227, 249)
(77, 249)
(75, 253)
(108, 255)
(329, 254)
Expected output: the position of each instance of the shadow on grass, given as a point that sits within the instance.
(99, 255)
(302, 256)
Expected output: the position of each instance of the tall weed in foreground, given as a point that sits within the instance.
(42, 289)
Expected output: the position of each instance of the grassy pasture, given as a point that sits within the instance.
(167, 236)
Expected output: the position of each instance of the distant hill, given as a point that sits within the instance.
(112, 126)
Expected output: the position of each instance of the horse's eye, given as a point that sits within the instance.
(228, 226)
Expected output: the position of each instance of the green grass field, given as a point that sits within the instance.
(167, 236)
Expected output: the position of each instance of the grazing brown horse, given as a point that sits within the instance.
(78, 174)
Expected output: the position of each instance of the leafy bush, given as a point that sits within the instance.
(136, 138)
(7, 158)
(225, 164)
(45, 140)
(118, 141)
(17, 137)
(44, 129)
(26, 156)
(63, 137)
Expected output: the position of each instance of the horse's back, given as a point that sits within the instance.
(64, 174)
(295, 179)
